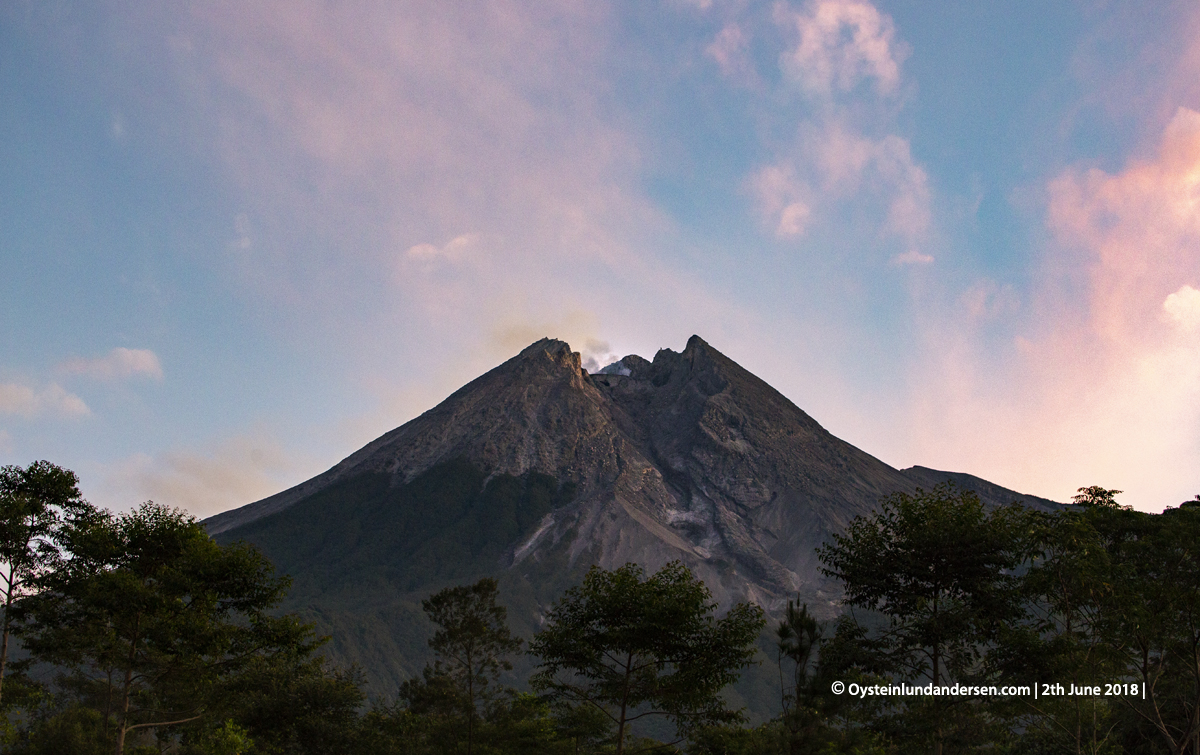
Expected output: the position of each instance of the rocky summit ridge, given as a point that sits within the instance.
(687, 457)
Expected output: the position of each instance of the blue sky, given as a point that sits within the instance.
(240, 240)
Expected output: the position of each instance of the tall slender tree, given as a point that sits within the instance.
(796, 638)
(472, 643)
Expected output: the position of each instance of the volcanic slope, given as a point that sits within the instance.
(537, 470)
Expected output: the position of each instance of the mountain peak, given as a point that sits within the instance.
(536, 470)
(556, 350)
(689, 456)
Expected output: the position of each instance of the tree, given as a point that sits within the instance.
(290, 701)
(1061, 640)
(796, 638)
(1094, 495)
(634, 647)
(151, 615)
(1151, 616)
(471, 643)
(33, 502)
(939, 568)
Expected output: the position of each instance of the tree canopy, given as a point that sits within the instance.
(634, 647)
(150, 614)
(35, 502)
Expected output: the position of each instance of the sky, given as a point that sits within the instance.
(239, 240)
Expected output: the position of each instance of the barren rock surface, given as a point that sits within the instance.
(686, 457)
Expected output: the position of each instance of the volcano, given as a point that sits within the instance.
(537, 470)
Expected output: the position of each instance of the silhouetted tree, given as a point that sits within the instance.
(34, 502)
(152, 614)
(634, 647)
(939, 568)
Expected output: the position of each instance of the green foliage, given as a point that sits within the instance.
(1062, 639)
(166, 642)
(226, 739)
(151, 615)
(35, 503)
(939, 569)
(636, 647)
(471, 643)
(1151, 615)
(78, 730)
(472, 639)
(291, 701)
(796, 638)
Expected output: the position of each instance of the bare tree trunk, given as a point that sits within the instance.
(126, 695)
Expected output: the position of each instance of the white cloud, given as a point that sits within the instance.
(452, 251)
(596, 354)
(840, 43)
(52, 399)
(1183, 308)
(793, 219)
(116, 364)
(843, 158)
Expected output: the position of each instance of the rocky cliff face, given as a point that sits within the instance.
(686, 457)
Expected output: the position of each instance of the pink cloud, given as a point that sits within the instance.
(1134, 235)
(1182, 308)
(833, 165)
(456, 167)
(839, 43)
(1103, 387)
(730, 49)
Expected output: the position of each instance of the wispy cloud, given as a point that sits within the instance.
(830, 165)
(845, 154)
(731, 51)
(912, 257)
(203, 481)
(117, 364)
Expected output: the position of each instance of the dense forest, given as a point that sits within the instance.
(965, 629)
